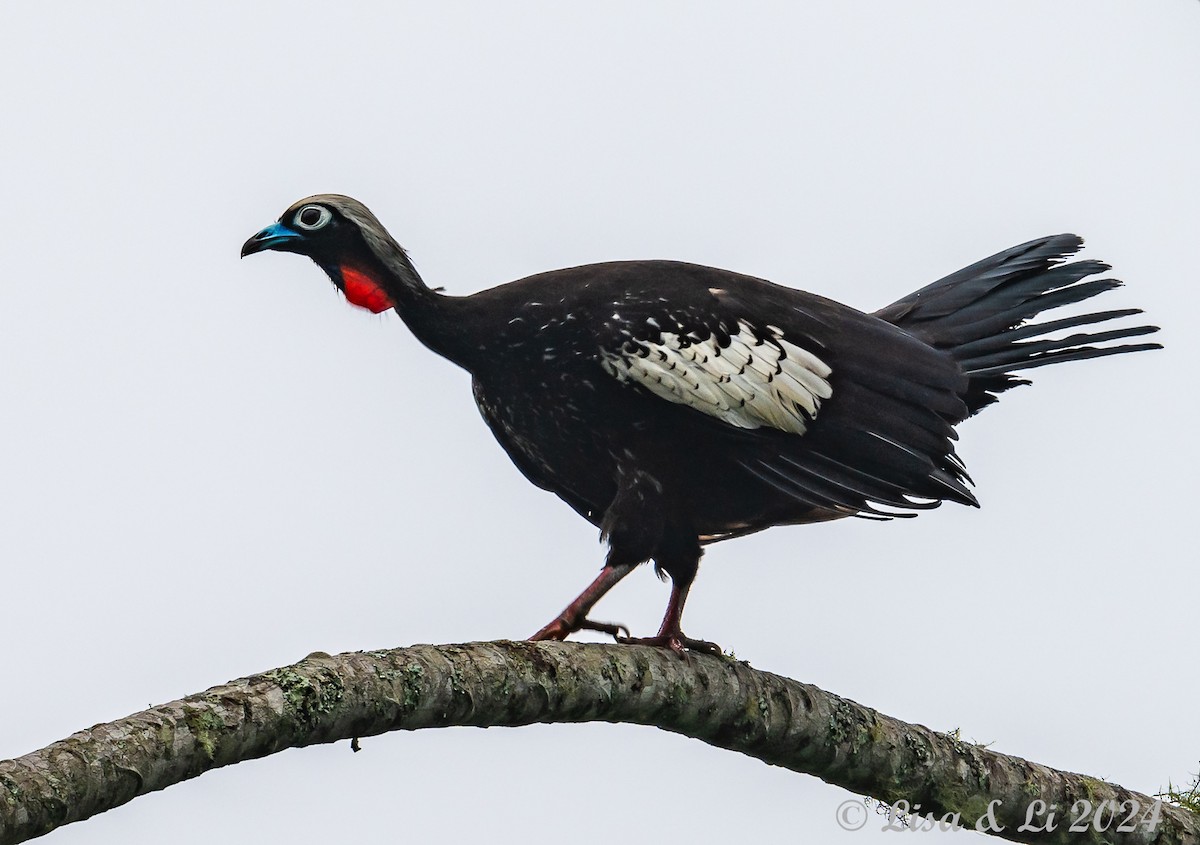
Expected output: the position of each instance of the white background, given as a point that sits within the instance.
(211, 467)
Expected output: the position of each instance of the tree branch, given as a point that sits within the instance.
(719, 701)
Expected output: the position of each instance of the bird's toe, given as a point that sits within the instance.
(562, 627)
(677, 642)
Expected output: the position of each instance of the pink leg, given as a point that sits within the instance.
(670, 635)
(574, 618)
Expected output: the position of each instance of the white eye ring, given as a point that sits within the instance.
(324, 215)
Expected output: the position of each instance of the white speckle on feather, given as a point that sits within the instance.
(759, 379)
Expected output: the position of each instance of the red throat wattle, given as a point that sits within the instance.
(362, 290)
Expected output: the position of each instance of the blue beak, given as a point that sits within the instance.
(276, 236)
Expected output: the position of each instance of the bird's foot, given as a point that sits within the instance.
(563, 627)
(677, 641)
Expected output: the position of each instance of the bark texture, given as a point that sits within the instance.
(720, 701)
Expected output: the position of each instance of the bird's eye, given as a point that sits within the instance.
(313, 217)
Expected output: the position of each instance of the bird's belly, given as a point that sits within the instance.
(575, 443)
(554, 443)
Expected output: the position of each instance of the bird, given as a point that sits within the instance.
(674, 405)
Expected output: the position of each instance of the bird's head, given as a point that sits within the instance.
(345, 240)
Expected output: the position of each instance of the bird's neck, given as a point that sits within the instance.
(389, 280)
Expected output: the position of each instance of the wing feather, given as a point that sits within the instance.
(758, 378)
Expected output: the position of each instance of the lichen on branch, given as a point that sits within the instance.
(721, 701)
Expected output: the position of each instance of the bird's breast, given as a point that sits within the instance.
(554, 428)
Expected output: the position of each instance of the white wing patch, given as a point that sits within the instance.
(759, 379)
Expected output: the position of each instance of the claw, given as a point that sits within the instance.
(561, 628)
(574, 618)
(613, 629)
(677, 642)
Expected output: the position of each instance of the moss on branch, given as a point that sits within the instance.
(720, 701)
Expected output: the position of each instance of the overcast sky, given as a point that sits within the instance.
(210, 468)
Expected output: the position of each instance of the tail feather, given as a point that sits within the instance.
(978, 315)
(1077, 354)
(1032, 354)
(997, 324)
(994, 342)
(958, 290)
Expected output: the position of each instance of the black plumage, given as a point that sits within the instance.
(674, 405)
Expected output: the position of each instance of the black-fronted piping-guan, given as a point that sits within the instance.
(673, 405)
